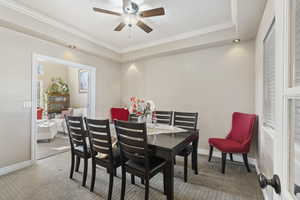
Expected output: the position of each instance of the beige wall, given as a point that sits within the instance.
(77, 99)
(52, 70)
(16, 51)
(213, 82)
(70, 75)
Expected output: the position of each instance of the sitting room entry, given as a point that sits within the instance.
(59, 88)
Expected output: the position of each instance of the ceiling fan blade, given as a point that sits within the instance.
(120, 26)
(153, 12)
(106, 11)
(144, 26)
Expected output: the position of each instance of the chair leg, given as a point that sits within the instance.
(165, 180)
(72, 165)
(231, 157)
(77, 163)
(175, 160)
(147, 188)
(93, 176)
(142, 181)
(210, 153)
(245, 157)
(185, 168)
(132, 179)
(123, 184)
(111, 183)
(224, 155)
(85, 172)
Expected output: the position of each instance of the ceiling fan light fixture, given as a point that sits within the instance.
(71, 46)
(236, 41)
(130, 19)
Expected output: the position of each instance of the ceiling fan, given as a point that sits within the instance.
(132, 15)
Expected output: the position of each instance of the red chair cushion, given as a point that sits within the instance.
(119, 114)
(226, 145)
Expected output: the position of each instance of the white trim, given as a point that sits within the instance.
(217, 154)
(15, 167)
(57, 24)
(234, 15)
(183, 36)
(33, 107)
(92, 93)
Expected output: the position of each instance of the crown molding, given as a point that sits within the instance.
(183, 36)
(234, 15)
(54, 23)
(67, 28)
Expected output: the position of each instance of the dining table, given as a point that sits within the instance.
(167, 146)
(166, 142)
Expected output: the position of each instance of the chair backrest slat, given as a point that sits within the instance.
(128, 141)
(97, 129)
(77, 133)
(100, 137)
(133, 118)
(164, 117)
(132, 139)
(186, 120)
(129, 132)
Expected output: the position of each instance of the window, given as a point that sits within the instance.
(294, 103)
(296, 75)
(269, 79)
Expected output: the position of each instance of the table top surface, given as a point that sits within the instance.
(170, 141)
(164, 136)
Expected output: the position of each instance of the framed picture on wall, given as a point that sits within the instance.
(83, 76)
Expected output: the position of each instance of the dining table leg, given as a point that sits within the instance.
(170, 178)
(195, 156)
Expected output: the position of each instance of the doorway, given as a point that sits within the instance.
(59, 88)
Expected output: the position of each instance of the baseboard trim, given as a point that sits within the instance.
(15, 167)
(236, 157)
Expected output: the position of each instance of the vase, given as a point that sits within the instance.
(149, 119)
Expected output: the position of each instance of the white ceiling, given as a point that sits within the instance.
(184, 18)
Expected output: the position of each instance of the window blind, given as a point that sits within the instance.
(297, 44)
(297, 70)
(269, 78)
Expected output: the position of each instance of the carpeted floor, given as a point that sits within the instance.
(57, 145)
(48, 180)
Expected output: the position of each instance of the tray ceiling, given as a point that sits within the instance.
(182, 19)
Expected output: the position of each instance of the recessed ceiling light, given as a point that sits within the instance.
(236, 40)
(72, 46)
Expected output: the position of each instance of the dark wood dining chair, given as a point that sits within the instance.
(187, 121)
(79, 147)
(101, 143)
(133, 118)
(136, 158)
(164, 117)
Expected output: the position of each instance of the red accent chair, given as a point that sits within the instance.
(119, 114)
(237, 141)
(39, 112)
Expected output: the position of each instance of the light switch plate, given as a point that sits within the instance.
(27, 104)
